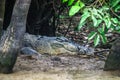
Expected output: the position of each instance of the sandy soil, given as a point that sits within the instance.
(57, 63)
(59, 68)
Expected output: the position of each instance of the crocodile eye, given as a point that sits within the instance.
(38, 38)
(62, 39)
(58, 39)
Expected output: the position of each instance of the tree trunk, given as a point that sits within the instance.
(2, 8)
(113, 59)
(11, 40)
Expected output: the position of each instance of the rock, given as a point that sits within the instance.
(113, 59)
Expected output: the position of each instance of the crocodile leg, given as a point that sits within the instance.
(30, 52)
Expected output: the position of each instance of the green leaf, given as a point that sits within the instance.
(84, 16)
(108, 24)
(115, 2)
(82, 4)
(101, 12)
(115, 20)
(80, 25)
(106, 21)
(96, 40)
(117, 8)
(63, 1)
(74, 10)
(104, 38)
(117, 28)
(94, 11)
(91, 35)
(105, 8)
(94, 20)
(98, 22)
(70, 2)
(100, 30)
(99, 16)
(77, 3)
(103, 28)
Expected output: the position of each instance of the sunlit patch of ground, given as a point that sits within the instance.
(62, 75)
(29, 75)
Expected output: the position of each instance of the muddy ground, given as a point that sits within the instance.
(60, 68)
(57, 63)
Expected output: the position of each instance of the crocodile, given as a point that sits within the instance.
(35, 44)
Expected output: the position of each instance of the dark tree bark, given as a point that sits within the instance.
(113, 59)
(11, 40)
(2, 8)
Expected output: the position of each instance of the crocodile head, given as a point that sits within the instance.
(72, 48)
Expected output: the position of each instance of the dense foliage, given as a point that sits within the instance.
(101, 15)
